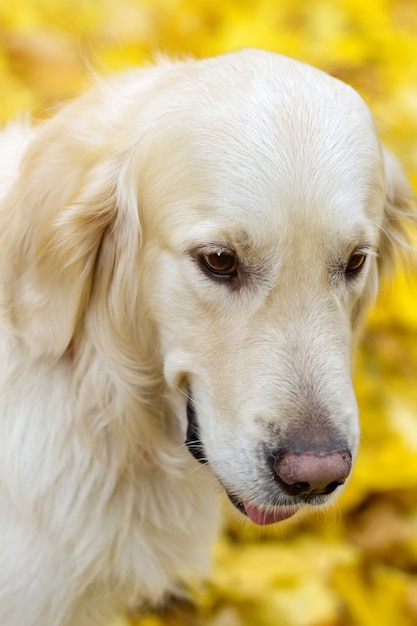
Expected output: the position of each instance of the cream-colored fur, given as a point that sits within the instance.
(110, 317)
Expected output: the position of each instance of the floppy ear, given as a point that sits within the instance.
(63, 212)
(399, 212)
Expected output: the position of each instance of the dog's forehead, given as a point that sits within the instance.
(247, 138)
(259, 97)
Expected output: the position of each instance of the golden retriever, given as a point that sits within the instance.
(186, 253)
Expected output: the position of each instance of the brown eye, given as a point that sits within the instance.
(355, 264)
(220, 264)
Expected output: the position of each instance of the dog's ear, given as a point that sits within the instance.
(64, 212)
(399, 213)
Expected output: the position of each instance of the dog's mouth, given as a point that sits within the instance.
(257, 514)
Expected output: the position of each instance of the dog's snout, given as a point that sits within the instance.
(312, 473)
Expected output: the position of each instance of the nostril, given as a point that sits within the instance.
(311, 473)
(297, 489)
(332, 486)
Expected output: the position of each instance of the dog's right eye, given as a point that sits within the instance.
(222, 265)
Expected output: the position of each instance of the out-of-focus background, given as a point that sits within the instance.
(355, 565)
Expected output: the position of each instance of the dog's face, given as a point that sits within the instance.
(259, 263)
(265, 202)
(264, 249)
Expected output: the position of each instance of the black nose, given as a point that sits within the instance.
(311, 473)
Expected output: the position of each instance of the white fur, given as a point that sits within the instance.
(107, 319)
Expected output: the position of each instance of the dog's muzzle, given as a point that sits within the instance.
(195, 446)
(325, 473)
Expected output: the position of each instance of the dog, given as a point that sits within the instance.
(187, 254)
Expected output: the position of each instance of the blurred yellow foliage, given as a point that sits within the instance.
(355, 565)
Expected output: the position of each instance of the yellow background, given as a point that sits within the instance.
(357, 564)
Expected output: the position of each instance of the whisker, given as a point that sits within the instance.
(184, 391)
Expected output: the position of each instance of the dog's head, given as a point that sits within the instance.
(236, 211)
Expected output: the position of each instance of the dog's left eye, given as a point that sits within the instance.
(355, 264)
(220, 264)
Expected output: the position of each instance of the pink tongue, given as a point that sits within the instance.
(262, 518)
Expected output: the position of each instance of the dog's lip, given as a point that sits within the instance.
(263, 516)
(257, 514)
(193, 441)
